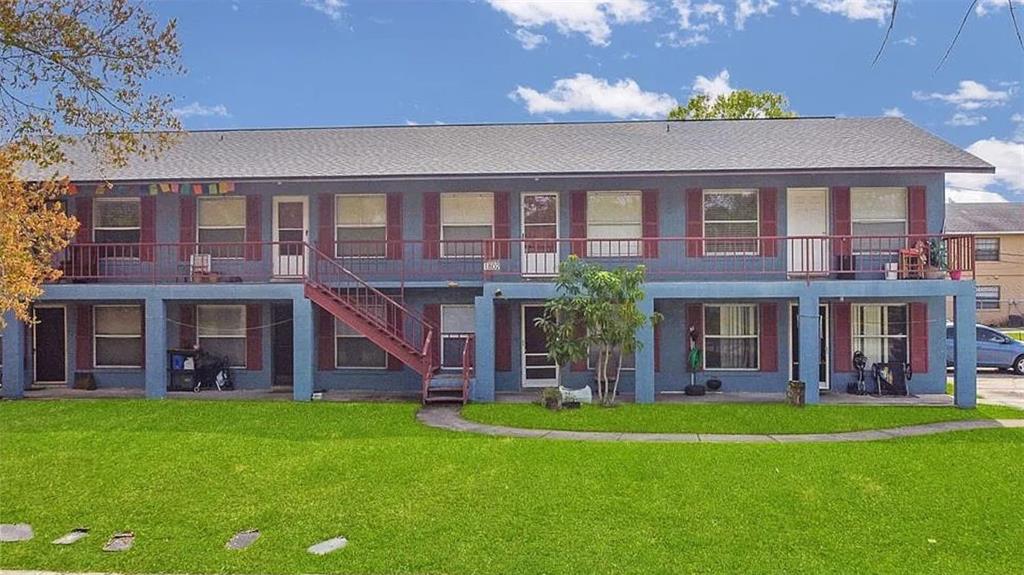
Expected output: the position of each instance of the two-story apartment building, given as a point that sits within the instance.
(999, 255)
(417, 258)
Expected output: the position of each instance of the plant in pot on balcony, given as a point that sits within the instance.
(937, 260)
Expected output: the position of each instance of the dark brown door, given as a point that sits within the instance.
(50, 345)
(281, 340)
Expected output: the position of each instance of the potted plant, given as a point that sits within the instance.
(551, 398)
(937, 260)
(695, 361)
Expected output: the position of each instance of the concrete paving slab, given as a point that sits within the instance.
(734, 438)
(660, 437)
(73, 536)
(242, 539)
(120, 542)
(584, 435)
(15, 532)
(328, 546)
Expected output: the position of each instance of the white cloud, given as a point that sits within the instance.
(984, 6)
(909, 41)
(1018, 119)
(1007, 157)
(713, 87)
(677, 40)
(529, 40)
(893, 112)
(958, 196)
(700, 16)
(970, 95)
(592, 18)
(747, 8)
(585, 93)
(333, 9)
(854, 9)
(964, 119)
(197, 109)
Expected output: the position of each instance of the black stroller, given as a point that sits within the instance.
(213, 371)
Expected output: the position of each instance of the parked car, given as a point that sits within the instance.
(994, 349)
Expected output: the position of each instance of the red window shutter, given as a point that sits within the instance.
(917, 217)
(769, 221)
(919, 337)
(502, 225)
(147, 225)
(394, 226)
(431, 225)
(769, 337)
(83, 337)
(186, 326)
(325, 234)
(502, 336)
(695, 222)
(657, 347)
(694, 319)
(253, 228)
(432, 313)
(842, 341)
(253, 337)
(186, 227)
(841, 221)
(395, 364)
(325, 356)
(649, 201)
(581, 332)
(578, 222)
(83, 213)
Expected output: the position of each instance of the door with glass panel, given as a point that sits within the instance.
(540, 234)
(539, 370)
(291, 225)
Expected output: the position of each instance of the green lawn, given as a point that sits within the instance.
(724, 417)
(184, 475)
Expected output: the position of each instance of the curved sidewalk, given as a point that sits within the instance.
(450, 419)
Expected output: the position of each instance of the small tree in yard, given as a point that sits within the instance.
(595, 308)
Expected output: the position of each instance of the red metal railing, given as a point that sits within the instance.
(399, 262)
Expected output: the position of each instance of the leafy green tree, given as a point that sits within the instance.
(595, 308)
(738, 104)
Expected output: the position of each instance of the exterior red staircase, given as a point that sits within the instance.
(386, 322)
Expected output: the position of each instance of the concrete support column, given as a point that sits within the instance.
(483, 387)
(965, 374)
(302, 358)
(156, 348)
(14, 362)
(645, 356)
(810, 345)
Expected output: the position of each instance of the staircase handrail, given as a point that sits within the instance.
(468, 363)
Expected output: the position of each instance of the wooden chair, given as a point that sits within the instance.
(913, 261)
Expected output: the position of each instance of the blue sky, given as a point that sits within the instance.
(331, 62)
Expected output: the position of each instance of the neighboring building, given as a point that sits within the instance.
(364, 258)
(998, 230)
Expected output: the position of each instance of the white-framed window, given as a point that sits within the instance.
(360, 225)
(986, 249)
(220, 228)
(458, 322)
(613, 219)
(117, 221)
(467, 221)
(220, 330)
(878, 212)
(117, 336)
(353, 350)
(733, 214)
(731, 337)
(986, 297)
(880, 332)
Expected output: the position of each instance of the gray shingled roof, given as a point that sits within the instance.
(722, 146)
(985, 218)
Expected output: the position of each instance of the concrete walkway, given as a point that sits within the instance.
(449, 418)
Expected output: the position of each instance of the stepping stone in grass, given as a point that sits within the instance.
(120, 542)
(325, 547)
(13, 532)
(243, 539)
(74, 536)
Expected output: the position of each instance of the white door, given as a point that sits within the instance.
(539, 370)
(291, 229)
(807, 225)
(540, 234)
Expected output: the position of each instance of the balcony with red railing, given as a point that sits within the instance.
(409, 262)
